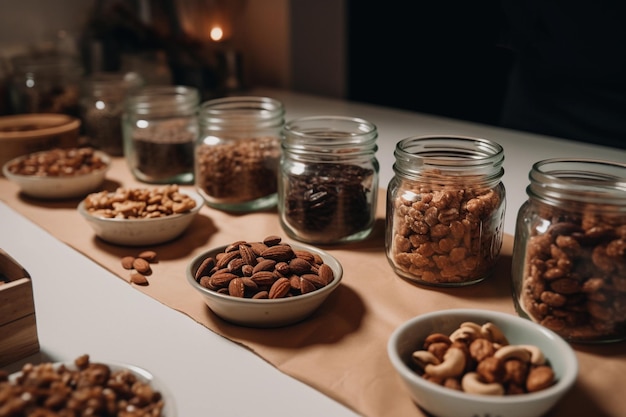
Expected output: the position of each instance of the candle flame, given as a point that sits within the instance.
(216, 34)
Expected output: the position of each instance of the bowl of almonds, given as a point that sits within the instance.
(140, 216)
(481, 363)
(266, 283)
(59, 173)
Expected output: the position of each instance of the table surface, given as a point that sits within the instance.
(80, 308)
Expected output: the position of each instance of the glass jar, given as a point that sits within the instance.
(445, 210)
(569, 255)
(46, 84)
(238, 152)
(102, 107)
(328, 185)
(160, 129)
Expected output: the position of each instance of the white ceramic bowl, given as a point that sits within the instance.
(58, 187)
(143, 375)
(265, 312)
(142, 232)
(445, 402)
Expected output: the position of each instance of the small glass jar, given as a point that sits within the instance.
(569, 255)
(160, 129)
(238, 152)
(46, 84)
(102, 107)
(445, 210)
(328, 185)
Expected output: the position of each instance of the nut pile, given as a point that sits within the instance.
(448, 234)
(92, 389)
(58, 163)
(140, 266)
(264, 270)
(478, 359)
(139, 203)
(575, 275)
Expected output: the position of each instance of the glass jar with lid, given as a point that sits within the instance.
(238, 152)
(445, 209)
(48, 83)
(569, 254)
(102, 106)
(328, 184)
(160, 127)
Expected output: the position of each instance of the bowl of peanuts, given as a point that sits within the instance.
(140, 216)
(266, 283)
(472, 362)
(84, 387)
(59, 173)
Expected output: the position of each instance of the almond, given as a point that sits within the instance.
(280, 288)
(261, 295)
(304, 254)
(225, 257)
(264, 265)
(299, 266)
(204, 268)
(272, 240)
(247, 254)
(263, 278)
(141, 265)
(148, 255)
(138, 279)
(234, 246)
(306, 286)
(326, 273)
(294, 280)
(127, 262)
(222, 279)
(278, 253)
(257, 247)
(315, 280)
(236, 288)
(235, 265)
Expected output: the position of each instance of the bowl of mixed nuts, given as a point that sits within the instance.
(481, 363)
(267, 283)
(58, 173)
(84, 387)
(140, 216)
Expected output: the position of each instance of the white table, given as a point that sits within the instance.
(83, 308)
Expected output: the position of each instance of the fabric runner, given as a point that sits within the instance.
(341, 349)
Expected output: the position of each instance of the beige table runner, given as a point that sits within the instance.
(341, 349)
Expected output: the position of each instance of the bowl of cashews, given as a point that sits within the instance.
(473, 362)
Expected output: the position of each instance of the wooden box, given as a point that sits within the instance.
(18, 327)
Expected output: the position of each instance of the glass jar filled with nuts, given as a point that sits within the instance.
(328, 186)
(445, 210)
(102, 106)
(160, 128)
(569, 255)
(238, 152)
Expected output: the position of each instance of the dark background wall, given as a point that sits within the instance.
(443, 57)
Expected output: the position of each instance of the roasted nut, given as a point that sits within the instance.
(58, 163)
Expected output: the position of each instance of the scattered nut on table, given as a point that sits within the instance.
(478, 359)
(268, 269)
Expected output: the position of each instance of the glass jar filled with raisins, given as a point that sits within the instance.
(160, 128)
(569, 254)
(238, 152)
(328, 187)
(445, 210)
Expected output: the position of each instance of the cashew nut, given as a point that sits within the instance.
(472, 384)
(493, 333)
(423, 357)
(464, 333)
(453, 364)
(536, 355)
(513, 351)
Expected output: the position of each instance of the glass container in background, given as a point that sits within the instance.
(569, 255)
(46, 84)
(102, 107)
(328, 184)
(238, 152)
(160, 127)
(445, 210)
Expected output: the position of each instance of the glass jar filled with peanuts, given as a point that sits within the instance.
(160, 128)
(328, 186)
(569, 255)
(445, 209)
(238, 152)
